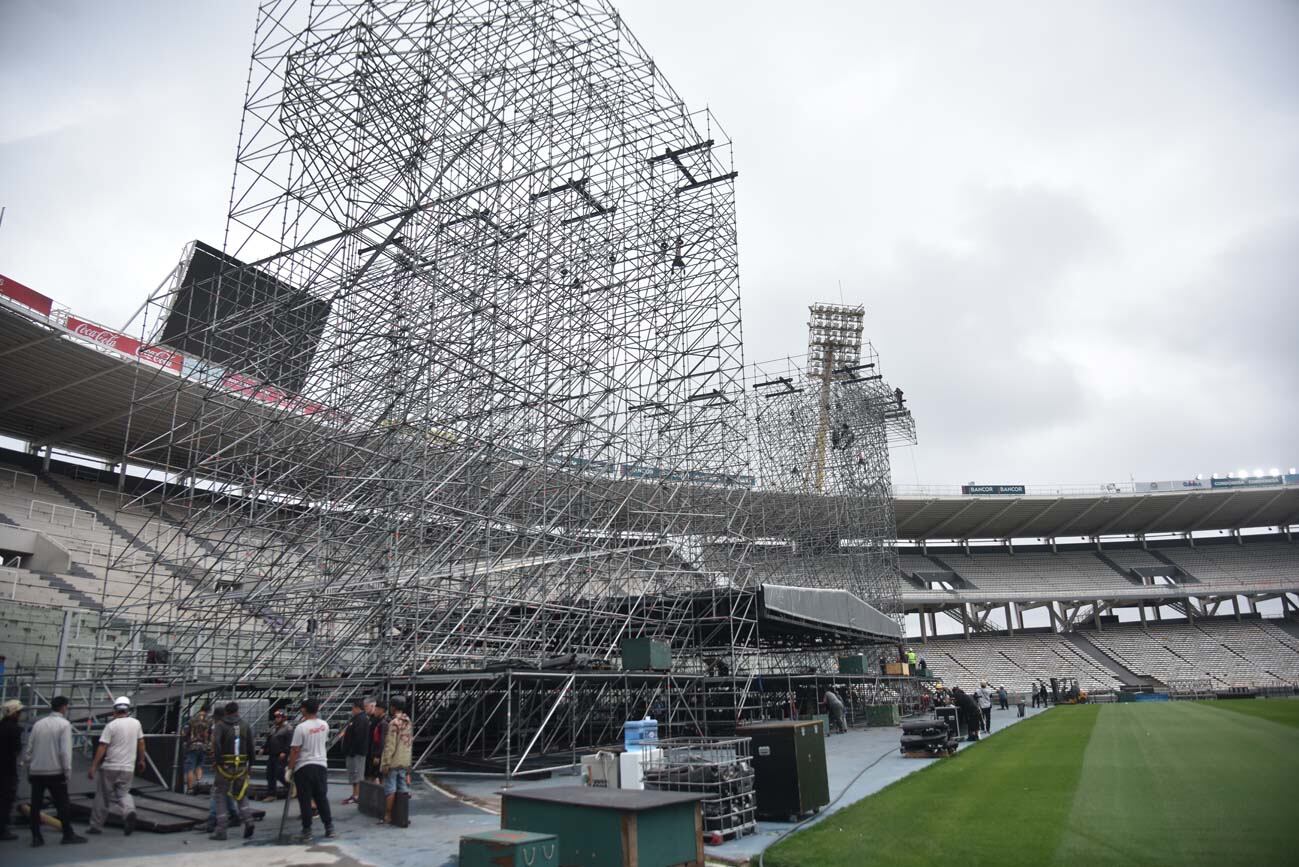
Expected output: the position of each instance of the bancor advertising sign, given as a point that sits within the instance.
(993, 490)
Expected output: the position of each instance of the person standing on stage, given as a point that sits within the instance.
(119, 755)
(394, 766)
(378, 734)
(197, 733)
(834, 705)
(356, 747)
(11, 747)
(310, 766)
(278, 743)
(233, 751)
(49, 767)
(983, 697)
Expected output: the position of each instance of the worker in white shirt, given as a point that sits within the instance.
(119, 755)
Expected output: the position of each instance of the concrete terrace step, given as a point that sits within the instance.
(1126, 675)
(120, 531)
(82, 599)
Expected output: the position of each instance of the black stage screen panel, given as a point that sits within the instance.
(245, 320)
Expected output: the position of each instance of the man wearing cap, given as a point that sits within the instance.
(49, 765)
(233, 750)
(11, 745)
(278, 742)
(119, 755)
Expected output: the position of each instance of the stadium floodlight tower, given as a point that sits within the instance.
(823, 425)
(834, 337)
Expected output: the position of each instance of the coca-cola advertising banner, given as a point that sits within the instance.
(123, 344)
(15, 291)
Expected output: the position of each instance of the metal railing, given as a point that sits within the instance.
(13, 477)
(55, 509)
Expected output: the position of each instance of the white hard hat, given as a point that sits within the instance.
(123, 703)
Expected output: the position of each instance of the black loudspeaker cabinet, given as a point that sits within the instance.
(789, 767)
(952, 716)
(374, 803)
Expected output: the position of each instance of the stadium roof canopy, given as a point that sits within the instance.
(1046, 516)
(64, 392)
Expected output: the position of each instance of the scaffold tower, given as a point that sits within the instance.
(462, 392)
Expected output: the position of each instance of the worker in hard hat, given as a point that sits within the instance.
(119, 755)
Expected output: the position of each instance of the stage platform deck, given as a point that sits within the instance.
(861, 763)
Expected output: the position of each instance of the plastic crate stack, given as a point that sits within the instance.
(719, 769)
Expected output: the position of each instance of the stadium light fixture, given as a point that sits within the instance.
(1274, 472)
(1258, 472)
(1242, 473)
(1292, 471)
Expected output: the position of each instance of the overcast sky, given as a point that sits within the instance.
(1075, 226)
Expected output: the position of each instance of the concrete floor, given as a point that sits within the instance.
(860, 764)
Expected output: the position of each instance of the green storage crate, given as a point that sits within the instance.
(852, 664)
(646, 654)
(882, 715)
(610, 827)
(506, 848)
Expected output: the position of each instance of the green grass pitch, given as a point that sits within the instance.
(1124, 784)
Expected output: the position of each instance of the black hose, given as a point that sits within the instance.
(851, 783)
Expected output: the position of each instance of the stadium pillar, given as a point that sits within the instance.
(1235, 606)
(1010, 623)
(924, 633)
(61, 661)
(1142, 609)
(1096, 616)
(45, 462)
(966, 614)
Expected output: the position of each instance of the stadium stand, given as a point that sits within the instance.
(1080, 572)
(1226, 653)
(1135, 558)
(1014, 661)
(1255, 563)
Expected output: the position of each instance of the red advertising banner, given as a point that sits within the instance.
(246, 386)
(123, 344)
(15, 291)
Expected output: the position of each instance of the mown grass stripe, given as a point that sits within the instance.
(1278, 710)
(1003, 802)
(1183, 783)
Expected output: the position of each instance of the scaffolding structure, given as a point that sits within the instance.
(461, 404)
